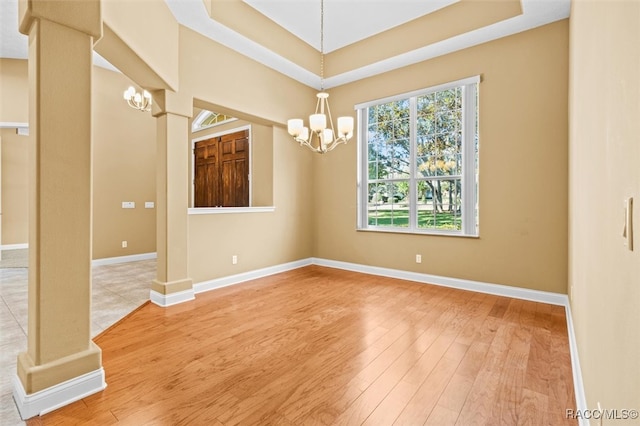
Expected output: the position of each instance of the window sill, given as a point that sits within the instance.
(412, 232)
(230, 210)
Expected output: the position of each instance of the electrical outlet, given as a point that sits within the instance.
(234, 259)
(124, 244)
(418, 258)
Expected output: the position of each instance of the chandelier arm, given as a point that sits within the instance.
(335, 143)
(308, 145)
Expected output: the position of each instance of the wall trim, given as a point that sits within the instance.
(171, 299)
(13, 124)
(14, 246)
(123, 259)
(578, 385)
(54, 397)
(480, 287)
(201, 287)
(230, 210)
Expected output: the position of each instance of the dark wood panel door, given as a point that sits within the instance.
(221, 169)
(207, 182)
(234, 166)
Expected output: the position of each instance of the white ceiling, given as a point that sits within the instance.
(12, 43)
(346, 21)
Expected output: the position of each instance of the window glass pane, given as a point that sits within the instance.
(374, 148)
(438, 205)
(388, 140)
(400, 159)
(439, 134)
(388, 204)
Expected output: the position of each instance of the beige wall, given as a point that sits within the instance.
(227, 82)
(233, 84)
(14, 108)
(523, 168)
(605, 170)
(124, 169)
(15, 214)
(259, 239)
(14, 103)
(123, 166)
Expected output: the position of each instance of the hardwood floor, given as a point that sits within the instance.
(322, 346)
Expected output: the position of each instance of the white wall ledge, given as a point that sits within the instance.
(231, 210)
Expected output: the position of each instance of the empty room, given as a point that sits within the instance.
(319, 212)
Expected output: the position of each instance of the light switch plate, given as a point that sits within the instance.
(628, 225)
(149, 205)
(128, 205)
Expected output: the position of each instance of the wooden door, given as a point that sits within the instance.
(234, 168)
(207, 182)
(221, 169)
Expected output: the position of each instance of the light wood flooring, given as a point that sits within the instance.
(323, 346)
(116, 290)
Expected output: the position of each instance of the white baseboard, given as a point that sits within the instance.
(170, 299)
(47, 400)
(578, 385)
(165, 300)
(251, 275)
(123, 259)
(480, 287)
(14, 246)
(94, 262)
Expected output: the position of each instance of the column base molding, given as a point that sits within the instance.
(54, 397)
(171, 293)
(165, 300)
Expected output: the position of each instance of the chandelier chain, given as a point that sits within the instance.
(321, 45)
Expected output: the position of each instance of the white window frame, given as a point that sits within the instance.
(469, 180)
(197, 126)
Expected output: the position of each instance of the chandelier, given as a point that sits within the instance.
(141, 102)
(320, 136)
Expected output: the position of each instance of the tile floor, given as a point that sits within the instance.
(117, 290)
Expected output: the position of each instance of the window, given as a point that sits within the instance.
(418, 159)
(207, 119)
(221, 170)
